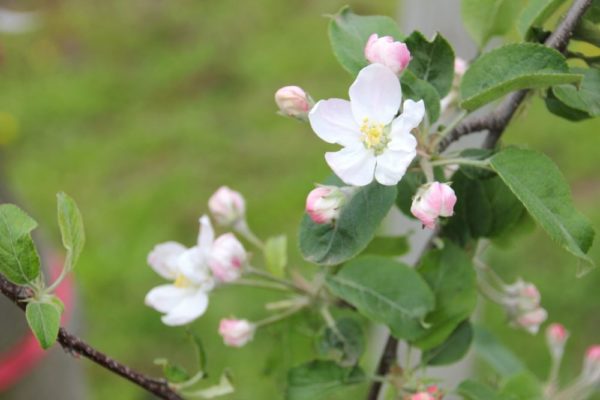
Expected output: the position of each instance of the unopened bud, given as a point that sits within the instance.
(531, 320)
(422, 396)
(227, 206)
(433, 200)
(591, 365)
(293, 102)
(236, 332)
(227, 258)
(556, 337)
(384, 50)
(324, 203)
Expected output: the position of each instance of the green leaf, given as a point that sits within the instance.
(495, 354)
(535, 13)
(71, 228)
(587, 97)
(510, 68)
(407, 188)
(523, 386)
(453, 349)
(450, 274)
(19, 260)
(276, 254)
(199, 349)
(387, 246)
(560, 109)
(385, 291)
(418, 89)
(173, 372)
(317, 379)
(485, 19)
(432, 61)
(348, 34)
(587, 31)
(593, 13)
(542, 189)
(472, 390)
(345, 343)
(43, 318)
(332, 244)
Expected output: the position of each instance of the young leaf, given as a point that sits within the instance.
(345, 342)
(587, 97)
(523, 386)
(276, 254)
(43, 318)
(332, 244)
(317, 379)
(542, 189)
(224, 387)
(19, 260)
(453, 349)
(71, 228)
(348, 34)
(418, 89)
(513, 67)
(495, 354)
(385, 291)
(485, 19)
(450, 274)
(472, 390)
(560, 109)
(432, 61)
(174, 373)
(535, 13)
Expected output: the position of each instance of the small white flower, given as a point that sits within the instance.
(376, 144)
(187, 297)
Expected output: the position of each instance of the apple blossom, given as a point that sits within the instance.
(422, 396)
(293, 102)
(531, 320)
(227, 206)
(433, 200)
(376, 144)
(227, 258)
(591, 365)
(556, 337)
(236, 332)
(324, 203)
(384, 50)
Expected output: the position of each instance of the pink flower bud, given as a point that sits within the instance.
(525, 296)
(227, 206)
(433, 200)
(293, 102)
(556, 337)
(591, 366)
(531, 320)
(227, 258)
(434, 391)
(460, 67)
(422, 396)
(384, 50)
(236, 332)
(324, 204)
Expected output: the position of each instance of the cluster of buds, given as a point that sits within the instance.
(431, 393)
(385, 50)
(294, 102)
(324, 203)
(433, 200)
(522, 304)
(236, 332)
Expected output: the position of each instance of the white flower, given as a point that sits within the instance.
(187, 297)
(376, 143)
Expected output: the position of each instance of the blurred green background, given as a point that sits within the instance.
(141, 109)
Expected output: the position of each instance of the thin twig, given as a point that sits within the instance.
(75, 346)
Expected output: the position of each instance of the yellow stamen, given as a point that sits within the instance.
(181, 281)
(372, 134)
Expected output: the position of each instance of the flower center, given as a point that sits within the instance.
(182, 282)
(374, 135)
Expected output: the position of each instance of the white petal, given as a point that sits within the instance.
(193, 265)
(405, 142)
(163, 259)
(411, 117)
(391, 166)
(190, 308)
(375, 94)
(332, 121)
(206, 235)
(166, 297)
(354, 165)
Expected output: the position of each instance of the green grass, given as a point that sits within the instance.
(140, 110)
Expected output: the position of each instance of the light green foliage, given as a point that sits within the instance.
(542, 189)
(535, 14)
(43, 318)
(385, 291)
(344, 343)
(510, 68)
(317, 379)
(432, 61)
(451, 276)
(586, 98)
(452, 349)
(495, 354)
(276, 254)
(485, 19)
(387, 246)
(174, 373)
(522, 386)
(418, 89)
(70, 222)
(19, 260)
(331, 244)
(348, 34)
(472, 390)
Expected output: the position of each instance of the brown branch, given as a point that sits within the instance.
(388, 357)
(497, 121)
(75, 346)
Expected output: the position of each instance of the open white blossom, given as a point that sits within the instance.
(377, 144)
(187, 297)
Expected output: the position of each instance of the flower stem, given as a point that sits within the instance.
(484, 164)
(260, 284)
(448, 128)
(243, 229)
(278, 317)
(272, 278)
